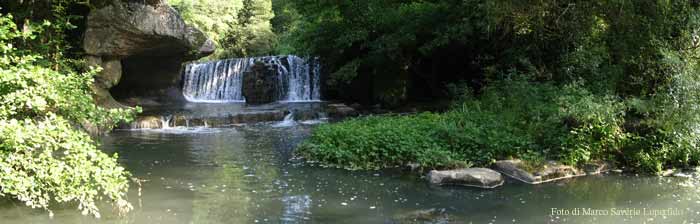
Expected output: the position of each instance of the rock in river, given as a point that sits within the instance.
(473, 177)
(260, 83)
(549, 171)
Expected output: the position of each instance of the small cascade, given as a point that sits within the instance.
(165, 121)
(298, 79)
(287, 122)
(321, 117)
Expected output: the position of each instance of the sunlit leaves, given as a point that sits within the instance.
(45, 156)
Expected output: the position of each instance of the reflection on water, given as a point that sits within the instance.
(246, 175)
(296, 208)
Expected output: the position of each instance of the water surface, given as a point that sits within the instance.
(247, 174)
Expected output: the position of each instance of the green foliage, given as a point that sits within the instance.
(45, 157)
(252, 34)
(381, 141)
(594, 123)
(500, 124)
(240, 28)
(617, 47)
(513, 119)
(214, 17)
(53, 22)
(611, 80)
(48, 161)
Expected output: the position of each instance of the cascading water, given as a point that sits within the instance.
(287, 122)
(298, 79)
(165, 121)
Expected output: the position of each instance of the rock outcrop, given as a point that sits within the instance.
(259, 83)
(339, 110)
(152, 32)
(549, 171)
(472, 177)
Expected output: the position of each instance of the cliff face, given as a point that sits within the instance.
(140, 45)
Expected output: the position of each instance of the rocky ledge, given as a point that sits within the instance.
(547, 172)
(140, 45)
(157, 122)
(226, 115)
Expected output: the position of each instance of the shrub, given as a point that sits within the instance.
(379, 142)
(500, 124)
(517, 118)
(594, 125)
(45, 158)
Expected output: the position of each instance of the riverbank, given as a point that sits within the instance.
(510, 120)
(246, 173)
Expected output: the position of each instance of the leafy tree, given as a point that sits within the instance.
(240, 28)
(616, 46)
(252, 34)
(213, 17)
(639, 56)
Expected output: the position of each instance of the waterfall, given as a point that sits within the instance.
(165, 121)
(287, 122)
(298, 79)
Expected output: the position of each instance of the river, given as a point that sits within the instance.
(247, 174)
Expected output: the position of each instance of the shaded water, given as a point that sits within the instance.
(246, 175)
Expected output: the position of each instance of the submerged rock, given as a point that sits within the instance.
(258, 116)
(423, 216)
(473, 177)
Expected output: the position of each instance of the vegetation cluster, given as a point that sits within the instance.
(47, 156)
(572, 81)
(566, 80)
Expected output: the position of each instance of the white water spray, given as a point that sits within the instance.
(298, 79)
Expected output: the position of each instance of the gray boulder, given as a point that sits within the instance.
(473, 177)
(125, 28)
(549, 171)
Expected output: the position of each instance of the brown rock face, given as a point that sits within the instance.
(150, 36)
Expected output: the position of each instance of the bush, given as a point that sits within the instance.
(379, 142)
(594, 125)
(45, 157)
(501, 124)
(516, 119)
